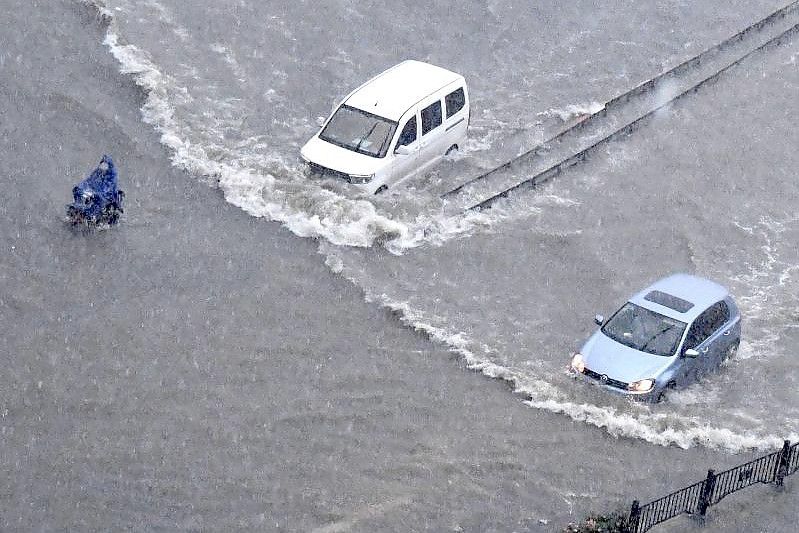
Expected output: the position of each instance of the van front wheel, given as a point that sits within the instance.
(451, 150)
(381, 189)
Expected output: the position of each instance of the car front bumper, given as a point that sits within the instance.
(617, 387)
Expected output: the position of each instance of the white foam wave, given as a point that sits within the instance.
(573, 111)
(306, 209)
(662, 430)
(436, 229)
(765, 282)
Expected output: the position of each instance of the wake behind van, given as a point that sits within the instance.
(392, 127)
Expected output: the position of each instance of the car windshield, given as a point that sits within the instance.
(644, 330)
(359, 131)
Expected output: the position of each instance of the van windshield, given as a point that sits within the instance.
(359, 131)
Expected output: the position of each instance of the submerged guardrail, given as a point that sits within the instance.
(543, 175)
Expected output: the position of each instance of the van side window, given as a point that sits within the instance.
(431, 117)
(408, 134)
(455, 101)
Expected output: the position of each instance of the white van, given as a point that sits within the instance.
(395, 125)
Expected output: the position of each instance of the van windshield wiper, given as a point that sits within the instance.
(368, 134)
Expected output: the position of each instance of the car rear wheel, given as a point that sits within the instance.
(381, 189)
(451, 150)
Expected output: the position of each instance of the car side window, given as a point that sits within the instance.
(431, 117)
(408, 134)
(455, 101)
(707, 324)
(696, 335)
(719, 314)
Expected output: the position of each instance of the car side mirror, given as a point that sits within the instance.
(599, 319)
(691, 353)
(403, 150)
(320, 121)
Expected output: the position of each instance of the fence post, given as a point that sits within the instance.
(782, 464)
(635, 513)
(707, 491)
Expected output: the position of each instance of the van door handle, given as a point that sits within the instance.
(728, 332)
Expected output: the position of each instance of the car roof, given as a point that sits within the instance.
(700, 292)
(396, 90)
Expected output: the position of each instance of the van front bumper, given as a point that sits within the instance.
(362, 182)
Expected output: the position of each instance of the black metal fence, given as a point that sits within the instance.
(696, 498)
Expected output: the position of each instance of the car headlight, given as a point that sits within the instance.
(643, 385)
(578, 364)
(361, 178)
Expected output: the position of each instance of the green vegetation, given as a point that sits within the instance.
(610, 523)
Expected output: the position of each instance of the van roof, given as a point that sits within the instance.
(393, 92)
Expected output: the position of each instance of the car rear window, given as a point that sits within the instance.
(667, 300)
(455, 101)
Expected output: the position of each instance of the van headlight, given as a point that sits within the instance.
(643, 385)
(578, 364)
(361, 178)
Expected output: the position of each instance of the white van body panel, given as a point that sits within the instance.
(404, 166)
(397, 95)
(451, 132)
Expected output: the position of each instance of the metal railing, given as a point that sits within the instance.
(695, 499)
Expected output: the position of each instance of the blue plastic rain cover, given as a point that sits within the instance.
(100, 186)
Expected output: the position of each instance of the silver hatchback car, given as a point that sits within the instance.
(666, 336)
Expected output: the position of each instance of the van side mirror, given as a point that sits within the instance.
(691, 353)
(320, 121)
(403, 150)
(599, 319)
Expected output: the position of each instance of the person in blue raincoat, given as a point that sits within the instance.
(97, 199)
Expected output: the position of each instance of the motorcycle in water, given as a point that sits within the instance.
(97, 199)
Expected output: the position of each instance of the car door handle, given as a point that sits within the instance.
(728, 332)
